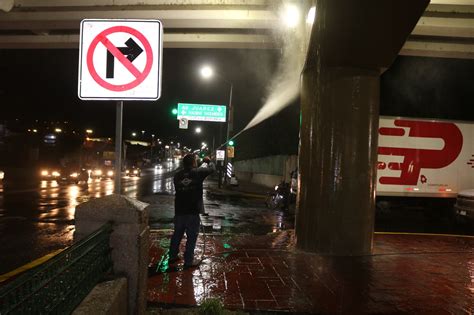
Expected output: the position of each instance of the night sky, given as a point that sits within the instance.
(42, 84)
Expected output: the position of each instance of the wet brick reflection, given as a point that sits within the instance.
(406, 274)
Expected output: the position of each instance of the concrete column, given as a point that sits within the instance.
(351, 42)
(337, 161)
(129, 240)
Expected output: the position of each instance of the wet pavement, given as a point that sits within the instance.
(407, 274)
(250, 263)
(37, 217)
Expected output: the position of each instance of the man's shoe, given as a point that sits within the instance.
(195, 263)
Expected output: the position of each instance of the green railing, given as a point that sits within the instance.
(60, 284)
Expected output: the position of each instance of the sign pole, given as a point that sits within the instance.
(118, 146)
(229, 127)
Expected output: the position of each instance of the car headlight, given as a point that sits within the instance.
(127, 171)
(44, 173)
(98, 172)
(56, 174)
(110, 173)
(135, 171)
(74, 175)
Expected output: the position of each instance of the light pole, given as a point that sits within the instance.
(151, 147)
(207, 72)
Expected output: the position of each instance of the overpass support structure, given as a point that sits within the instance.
(351, 42)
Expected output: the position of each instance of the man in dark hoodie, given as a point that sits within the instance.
(188, 204)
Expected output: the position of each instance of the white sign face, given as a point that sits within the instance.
(220, 155)
(183, 123)
(424, 157)
(120, 60)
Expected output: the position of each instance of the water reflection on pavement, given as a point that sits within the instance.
(242, 215)
(37, 218)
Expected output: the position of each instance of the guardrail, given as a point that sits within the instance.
(60, 284)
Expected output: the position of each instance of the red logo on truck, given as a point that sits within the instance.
(416, 159)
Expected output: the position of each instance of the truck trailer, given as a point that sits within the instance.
(424, 158)
(424, 162)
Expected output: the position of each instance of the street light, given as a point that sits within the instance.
(58, 130)
(290, 14)
(134, 134)
(198, 130)
(151, 146)
(207, 72)
(89, 131)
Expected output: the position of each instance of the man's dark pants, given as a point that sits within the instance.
(188, 223)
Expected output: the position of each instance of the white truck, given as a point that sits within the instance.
(425, 158)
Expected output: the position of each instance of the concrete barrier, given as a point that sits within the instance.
(267, 171)
(266, 180)
(108, 298)
(129, 240)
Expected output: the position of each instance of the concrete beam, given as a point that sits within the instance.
(442, 8)
(193, 40)
(452, 2)
(183, 19)
(81, 3)
(6, 5)
(445, 27)
(438, 49)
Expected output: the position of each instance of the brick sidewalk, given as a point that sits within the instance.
(406, 274)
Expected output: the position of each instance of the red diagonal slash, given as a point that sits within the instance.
(121, 57)
(140, 76)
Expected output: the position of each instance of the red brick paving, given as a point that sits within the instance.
(406, 274)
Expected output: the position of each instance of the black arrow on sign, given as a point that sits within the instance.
(132, 51)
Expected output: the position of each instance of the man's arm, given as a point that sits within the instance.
(206, 168)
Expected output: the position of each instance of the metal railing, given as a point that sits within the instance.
(60, 284)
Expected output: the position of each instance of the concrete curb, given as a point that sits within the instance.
(232, 193)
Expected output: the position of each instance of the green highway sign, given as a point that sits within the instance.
(202, 112)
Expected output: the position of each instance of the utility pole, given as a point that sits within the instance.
(229, 129)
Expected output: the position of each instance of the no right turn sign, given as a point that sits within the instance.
(120, 59)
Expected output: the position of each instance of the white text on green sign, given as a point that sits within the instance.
(202, 112)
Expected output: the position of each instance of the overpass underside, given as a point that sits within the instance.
(446, 28)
